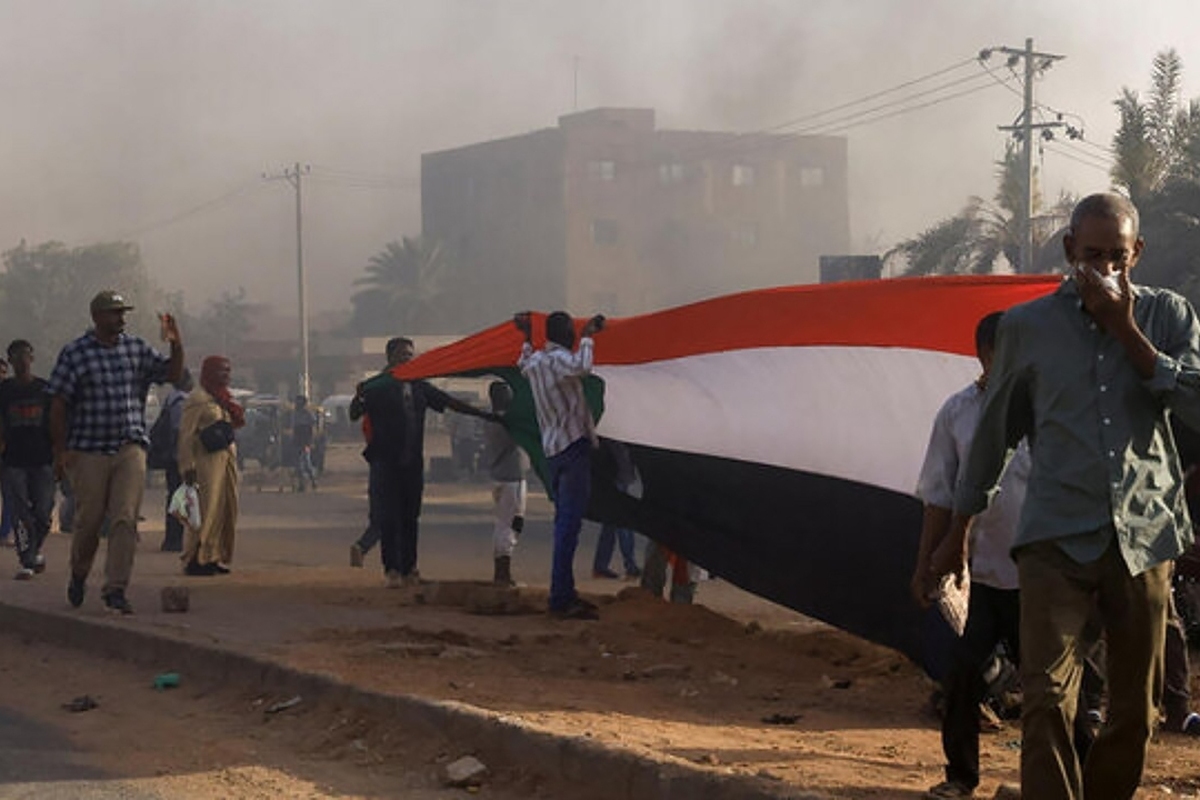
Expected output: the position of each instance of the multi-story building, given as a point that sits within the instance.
(605, 213)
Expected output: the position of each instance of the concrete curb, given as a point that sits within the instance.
(592, 769)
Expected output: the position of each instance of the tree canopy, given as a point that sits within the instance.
(984, 236)
(1156, 153)
(45, 290)
(404, 287)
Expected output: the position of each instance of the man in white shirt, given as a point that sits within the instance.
(555, 376)
(994, 608)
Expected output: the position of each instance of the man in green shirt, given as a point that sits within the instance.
(1091, 374)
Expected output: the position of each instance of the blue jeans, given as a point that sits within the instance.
(29, 499)
(611, 535)
(571, 480)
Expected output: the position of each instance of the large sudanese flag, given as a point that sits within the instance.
(778, 434)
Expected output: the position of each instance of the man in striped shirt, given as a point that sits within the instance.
(555, 376)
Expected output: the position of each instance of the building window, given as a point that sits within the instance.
(812, 176)
(670, 173)
(745, 234)
(603, 170)
(743, 175)
(605, 231)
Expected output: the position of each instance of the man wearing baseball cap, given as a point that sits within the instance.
(99, 436)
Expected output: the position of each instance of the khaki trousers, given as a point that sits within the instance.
(107, 488)
(1057, 595)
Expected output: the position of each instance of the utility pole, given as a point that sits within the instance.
(293, 176)
(1022, 129)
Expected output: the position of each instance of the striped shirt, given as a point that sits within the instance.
(105, 389)
(555, 377)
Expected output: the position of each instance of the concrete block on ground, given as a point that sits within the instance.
(466, 771)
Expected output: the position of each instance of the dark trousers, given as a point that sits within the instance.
(394, 497)
(1057, 597)
(29, 497)
(993, 617)
(173, 540)
(369, 538)
(571, 479)
(1177, 672)
(611, 536)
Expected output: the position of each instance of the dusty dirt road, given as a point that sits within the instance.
(194, 742)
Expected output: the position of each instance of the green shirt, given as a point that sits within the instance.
(1104, 460)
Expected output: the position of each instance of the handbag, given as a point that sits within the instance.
(185, 506)
(217, 436)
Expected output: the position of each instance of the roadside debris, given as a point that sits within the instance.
(284, 705)
(82, 703)
(466, 771)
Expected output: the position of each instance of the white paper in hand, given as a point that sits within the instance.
(185, 506)
(953, 601)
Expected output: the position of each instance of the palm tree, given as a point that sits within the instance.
(1156, 153)
(973, 241)
(402, 285)
(1158, 139)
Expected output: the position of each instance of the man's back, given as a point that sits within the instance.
(556, 380)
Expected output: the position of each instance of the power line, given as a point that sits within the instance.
(890, 104)
(1071, 146)
(208, 205)
(353, 184)
(867, 98)
(727, 144)
(363, 177)
(1085, 162)
(909, 109)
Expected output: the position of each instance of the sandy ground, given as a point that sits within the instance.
(733, 684)
(197, 741)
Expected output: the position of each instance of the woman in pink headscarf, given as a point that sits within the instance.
(208, 460)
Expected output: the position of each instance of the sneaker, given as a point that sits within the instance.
(24, 574)
(412, 580)
(356, 555)
(605, 573)
(1191, 725)
(633, 574)
(39, 563)
(115, 603)
(218, 569)
(75, 590)
(948, 790)
(393, 580)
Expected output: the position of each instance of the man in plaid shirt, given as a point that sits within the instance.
(99, 436)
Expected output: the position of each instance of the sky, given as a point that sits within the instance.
(156, 120)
